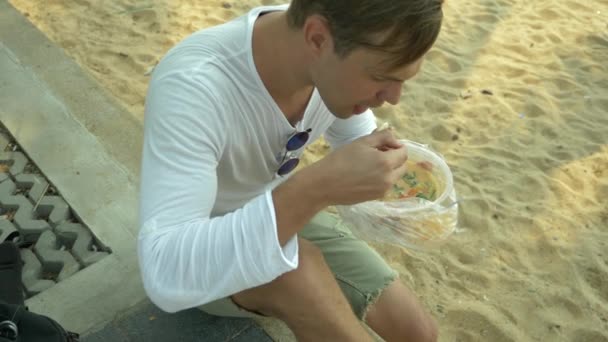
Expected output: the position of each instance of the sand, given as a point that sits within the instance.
(529, 154)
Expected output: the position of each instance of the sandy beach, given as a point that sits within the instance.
(514, 95)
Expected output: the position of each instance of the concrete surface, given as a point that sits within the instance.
(147, 323)
(88, 146)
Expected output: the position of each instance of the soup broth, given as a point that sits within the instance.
(418, 182)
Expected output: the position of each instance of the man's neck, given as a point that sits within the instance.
(282, 64)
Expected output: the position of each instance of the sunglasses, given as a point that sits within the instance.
(294, 143)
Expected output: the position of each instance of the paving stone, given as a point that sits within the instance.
(54, 208)
(26, 224)
(7, 189)
(18, 159)
(80, 241)
(7, 230)
(28, 227)
(37, 186)
(31, 208)
(53, 258)
(32, 273)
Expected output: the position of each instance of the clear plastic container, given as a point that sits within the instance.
(413, 222)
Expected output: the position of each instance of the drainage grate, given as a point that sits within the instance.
(54, 243)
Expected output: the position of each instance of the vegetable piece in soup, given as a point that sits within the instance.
(419, 181)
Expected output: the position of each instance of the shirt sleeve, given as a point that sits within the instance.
(186, 257)
(344, 131)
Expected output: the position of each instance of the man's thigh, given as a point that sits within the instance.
(359, 270)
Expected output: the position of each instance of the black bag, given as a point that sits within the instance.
(10, 272)
(17, 323)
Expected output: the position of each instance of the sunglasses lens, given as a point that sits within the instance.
(288, 166)
(297, 141)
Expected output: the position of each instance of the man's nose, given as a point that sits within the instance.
(391, 94)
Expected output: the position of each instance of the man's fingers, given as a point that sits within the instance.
(397, 156)
(382, 140)
(383, 127)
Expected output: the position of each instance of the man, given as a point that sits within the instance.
(226, 224)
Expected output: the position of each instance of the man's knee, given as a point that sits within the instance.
(427, 331)
(398, 315)
(420, 329)
(276, 298)
(311, 265)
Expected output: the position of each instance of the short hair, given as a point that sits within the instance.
(404, 29)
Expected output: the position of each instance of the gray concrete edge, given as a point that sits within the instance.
(88, 146)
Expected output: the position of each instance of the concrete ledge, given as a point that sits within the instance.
(88, 146)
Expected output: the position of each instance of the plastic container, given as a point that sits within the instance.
(414, 222)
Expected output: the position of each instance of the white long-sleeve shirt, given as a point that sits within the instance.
(212, 139)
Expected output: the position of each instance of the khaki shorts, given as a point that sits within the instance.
(359, 270)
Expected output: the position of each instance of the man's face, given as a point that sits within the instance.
(351, 85)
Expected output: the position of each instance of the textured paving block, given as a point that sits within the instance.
(32, 209)
(16, 160)
(7, 230)
(33, 273)
(24, 221)
(35, 184)
(23, 216)
(54, 258)
(54, 209)
(80, 241)
(7, 189)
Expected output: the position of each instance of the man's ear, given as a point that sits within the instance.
(317, 35)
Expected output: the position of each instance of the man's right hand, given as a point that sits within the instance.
(362, 170)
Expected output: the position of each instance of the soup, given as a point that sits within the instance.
(418, 182)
